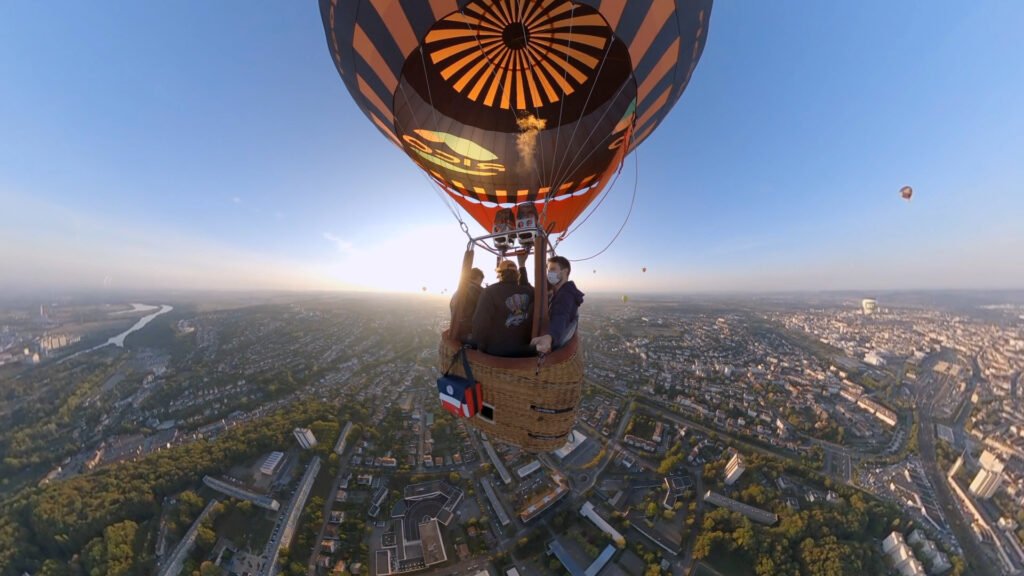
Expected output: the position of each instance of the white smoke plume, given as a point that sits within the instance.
(526, 141)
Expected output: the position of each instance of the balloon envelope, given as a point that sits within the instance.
(906, 192)
(503, 102)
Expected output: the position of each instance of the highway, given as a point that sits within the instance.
(978, 561)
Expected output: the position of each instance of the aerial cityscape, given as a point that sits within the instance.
(300, 435)
(511, 288)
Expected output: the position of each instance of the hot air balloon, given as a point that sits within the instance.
(520, 111)
(644, 269)
(906, 192)
(625, 298)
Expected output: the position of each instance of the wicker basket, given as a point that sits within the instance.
(534, 400)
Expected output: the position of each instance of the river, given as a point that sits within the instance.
(136, 308)
(119, 339)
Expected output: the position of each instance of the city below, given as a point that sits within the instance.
(818, 434)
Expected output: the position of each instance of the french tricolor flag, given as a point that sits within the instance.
(461, 400)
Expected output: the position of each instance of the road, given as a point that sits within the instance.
(612, 447)
(680, 419)
(462, 568)
(685, 565)
(328, 504)
(698, 520)
(423, 432)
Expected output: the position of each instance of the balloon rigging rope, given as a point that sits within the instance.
(590, 212)
(561, 108)
(563, 174)
(632, 202)
(606, 191)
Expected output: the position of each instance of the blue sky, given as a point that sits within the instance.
(198, 145)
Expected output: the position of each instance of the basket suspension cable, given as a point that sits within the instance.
(604, 195)
(540, 287)
(593, 209)
(573, 164)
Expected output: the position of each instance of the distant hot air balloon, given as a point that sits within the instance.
(644, 269)
(625, 298)
(595, 271)
(906, 192)
(424, 288)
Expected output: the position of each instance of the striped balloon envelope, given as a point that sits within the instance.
(504, 102)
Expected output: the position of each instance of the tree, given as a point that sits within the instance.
(205, 539)
(745, 539)
(208, 568)
(765, 566)
(652, 510)
(454, 477)
(113, 553)
(54, 568)
(67, 516)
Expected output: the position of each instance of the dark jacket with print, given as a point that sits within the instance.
(503, 322)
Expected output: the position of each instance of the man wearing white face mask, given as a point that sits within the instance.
(563, 307)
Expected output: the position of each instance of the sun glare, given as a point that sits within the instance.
(422, 257)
